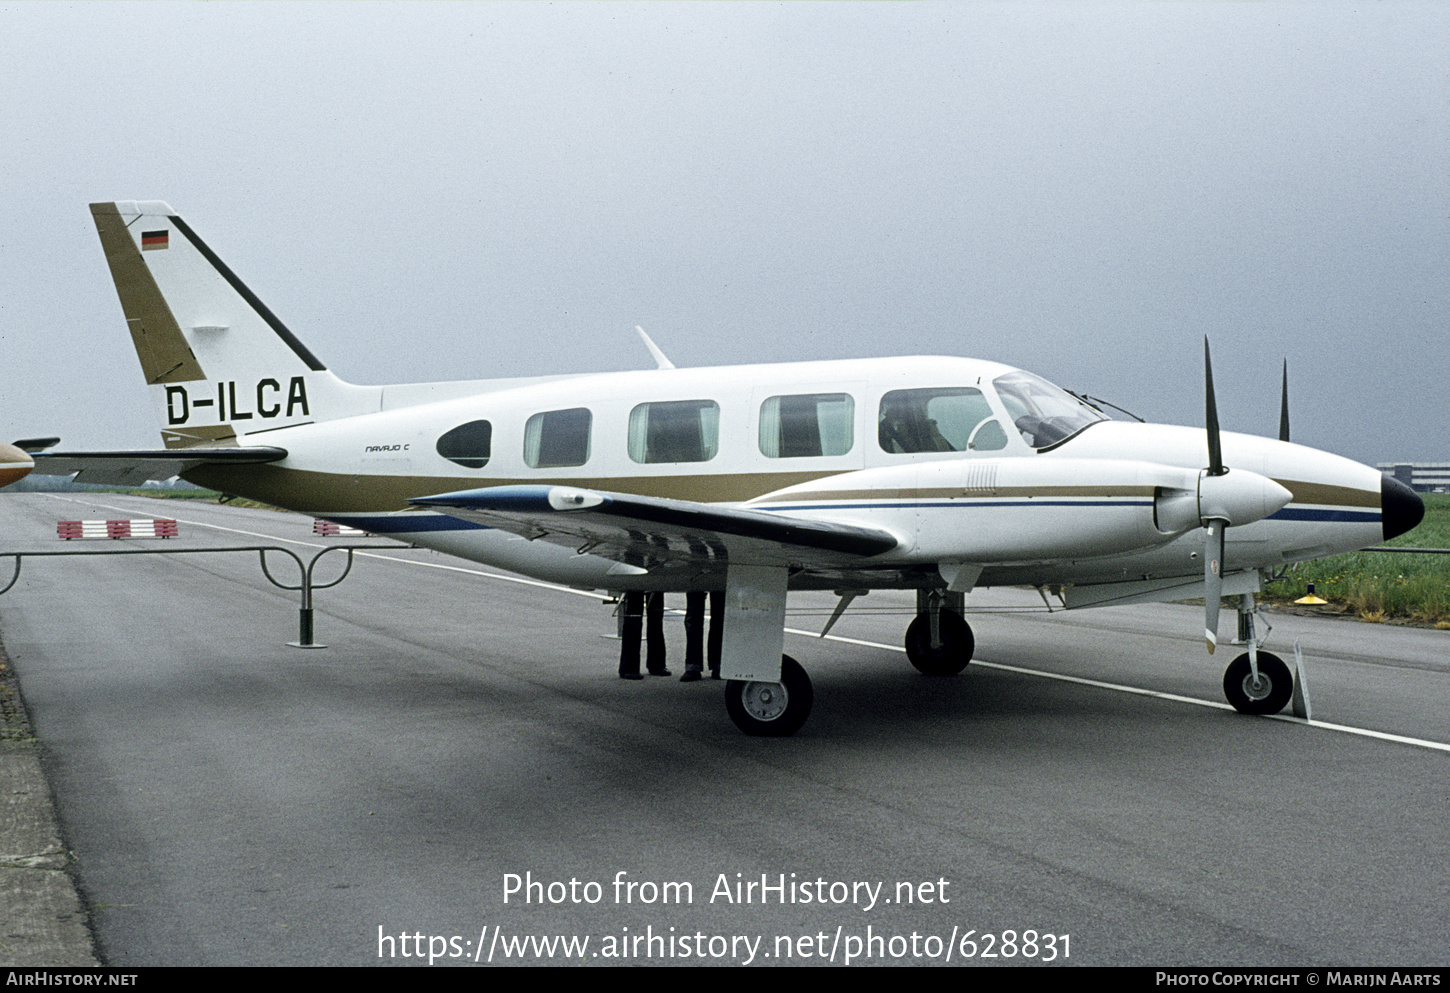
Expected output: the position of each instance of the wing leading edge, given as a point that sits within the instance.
(639, 530)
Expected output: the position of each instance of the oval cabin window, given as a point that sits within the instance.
(468, 444)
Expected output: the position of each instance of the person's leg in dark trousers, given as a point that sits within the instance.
(717, 630)
(694, 636)
(654, 634)
(632, 607)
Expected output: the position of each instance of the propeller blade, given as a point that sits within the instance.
(1284, 405)
(1215, 451)
(1213, 537)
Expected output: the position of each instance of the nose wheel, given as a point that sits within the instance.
(771, 710)
(1265, 695)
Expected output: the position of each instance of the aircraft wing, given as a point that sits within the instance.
(639, 530)
(134, 468)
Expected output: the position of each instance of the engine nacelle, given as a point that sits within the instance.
(1239, 497)
(1012, 510)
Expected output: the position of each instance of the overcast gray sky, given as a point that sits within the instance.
(469, 190)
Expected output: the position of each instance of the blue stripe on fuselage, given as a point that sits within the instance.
(1336, 516)
(417, 524)
(950, 503)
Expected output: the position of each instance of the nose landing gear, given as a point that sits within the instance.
(1265, 695)
(1256, 682)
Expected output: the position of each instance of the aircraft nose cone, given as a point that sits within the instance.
(1400, 507)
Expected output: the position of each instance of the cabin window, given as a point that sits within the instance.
(677, 431)
(939, 420)
(807, 425)
(468, 444)
(557, 438)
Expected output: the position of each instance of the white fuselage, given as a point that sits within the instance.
(1086, 510)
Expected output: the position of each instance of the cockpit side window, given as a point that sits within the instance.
(1045, 414)
(469, 445)
(935, 420)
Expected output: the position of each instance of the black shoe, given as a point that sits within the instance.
(630, 675)
(659, 672)
(715, 674)
(691, 676)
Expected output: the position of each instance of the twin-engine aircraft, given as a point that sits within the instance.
(927, 473)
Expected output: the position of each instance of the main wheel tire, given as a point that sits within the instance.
(1269, 695)
(771, 710)
(955, 651)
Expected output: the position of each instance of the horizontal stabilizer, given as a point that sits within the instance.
(134, 468)
(639, 530)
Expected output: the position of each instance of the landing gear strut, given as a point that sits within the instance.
(1256, 682)
(938, 641)
(771, 710)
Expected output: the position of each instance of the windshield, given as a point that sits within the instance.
(1045, 414)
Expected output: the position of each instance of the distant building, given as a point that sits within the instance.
(1422, 477)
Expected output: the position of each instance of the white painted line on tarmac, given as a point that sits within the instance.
(371, 555)
(1174, 697)
(487, 575)
(1098, 684)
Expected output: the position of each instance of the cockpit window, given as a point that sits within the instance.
(468, 444)
(1045, 414)
(939, 420)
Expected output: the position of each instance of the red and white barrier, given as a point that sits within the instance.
(143, 528)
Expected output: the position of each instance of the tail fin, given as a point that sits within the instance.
(219, 363)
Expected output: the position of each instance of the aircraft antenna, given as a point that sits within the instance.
(661, 361)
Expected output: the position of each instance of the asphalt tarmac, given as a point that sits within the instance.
(230, 800)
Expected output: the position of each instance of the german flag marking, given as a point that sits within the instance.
(151, 240)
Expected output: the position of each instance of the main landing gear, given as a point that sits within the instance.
(771, 710)
(938, 641)
(1256, 682)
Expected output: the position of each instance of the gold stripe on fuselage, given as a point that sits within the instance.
(959, 492)
(317, 492)
(1324, 494)
(328, 492)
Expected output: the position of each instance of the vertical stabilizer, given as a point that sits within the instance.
(220, 365)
